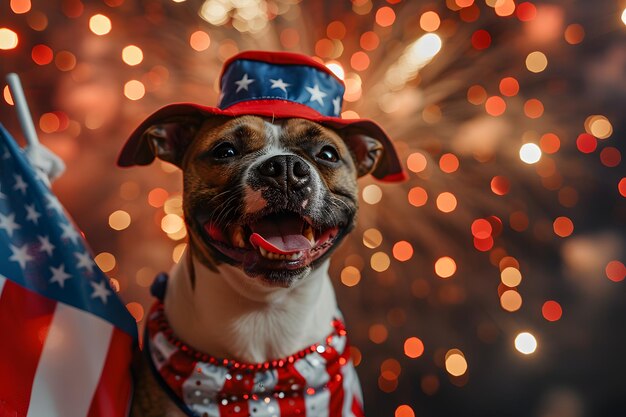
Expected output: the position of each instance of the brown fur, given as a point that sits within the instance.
(204, 181)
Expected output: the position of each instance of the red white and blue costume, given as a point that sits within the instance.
(319, 381)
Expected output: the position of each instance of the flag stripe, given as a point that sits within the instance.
(24, 320)
(112, 397)
(2, 281)
(76, 339)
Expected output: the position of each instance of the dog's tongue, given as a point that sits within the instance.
(280, 235)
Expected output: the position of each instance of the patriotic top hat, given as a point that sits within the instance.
(277, 85)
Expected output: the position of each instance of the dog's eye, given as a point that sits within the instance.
(328, 153)
(224, 150)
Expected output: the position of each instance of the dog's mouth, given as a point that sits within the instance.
(277, 241)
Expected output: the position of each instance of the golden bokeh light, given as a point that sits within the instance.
(134, 90)
(445, 267)
(372, 194)
(599, 126)
(119, 220)
(105, 261)
(7, 95)
(350, 276)
(446, 202)
(511, 301)
(100, 24)
(456, 365)
(8, 39)
(416, 162)
(536, 62)
(132, 55)
(172, 223)
(380, 261)
(511, 276)
(178, 252)
(136, 310)
(372, 238)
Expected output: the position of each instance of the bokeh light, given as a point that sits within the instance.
(530, 153)
(8, 39)
(551, 311)
(119, 220)
(413, 347)
(445, 267)
(526, 343)
(456, 365)
(134, 90)
(100, 24)
(536, 61)
(132, 55)
(615, 271)
(511, 301)
(200, 40)
(372, 194)
(105, 261)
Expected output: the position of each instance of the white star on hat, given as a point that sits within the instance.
(243, 83)
(316, 94)
(100, 291)
(59, 275)
(337, 105)
(279, 83)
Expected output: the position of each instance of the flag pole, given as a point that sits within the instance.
(21, 106)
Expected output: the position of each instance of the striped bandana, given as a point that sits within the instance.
(319, 381)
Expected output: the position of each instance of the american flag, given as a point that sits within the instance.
(66, 340)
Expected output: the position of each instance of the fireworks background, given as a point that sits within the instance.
(509, 116)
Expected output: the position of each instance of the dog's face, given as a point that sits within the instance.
(272, 197)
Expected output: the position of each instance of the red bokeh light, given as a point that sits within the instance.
(526, 11)
(586, 143)
(42, 54)
(551, 310)
(610, 157)
(481, 229)
(481, 39)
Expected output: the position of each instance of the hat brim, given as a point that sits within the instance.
(391, 167)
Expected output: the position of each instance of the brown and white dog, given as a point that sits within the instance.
(249, 316)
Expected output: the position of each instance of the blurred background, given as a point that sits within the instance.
(489, 284)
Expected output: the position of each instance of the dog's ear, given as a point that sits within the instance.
(367, 153)
(166, 139)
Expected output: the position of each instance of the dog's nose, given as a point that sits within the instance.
(285, 172)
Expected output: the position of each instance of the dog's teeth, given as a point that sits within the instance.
(263, 252)
(308, 233)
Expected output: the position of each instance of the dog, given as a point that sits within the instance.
(247, 322)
